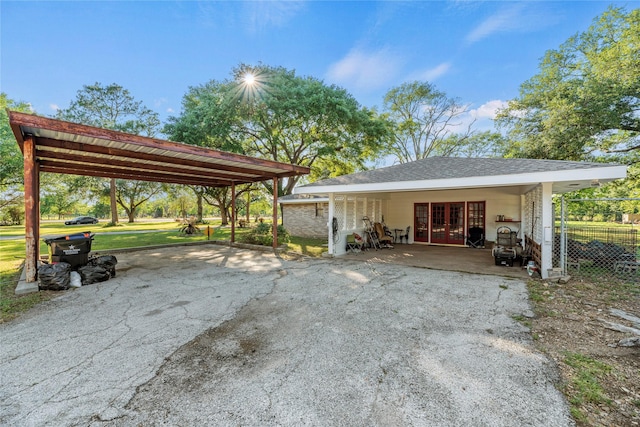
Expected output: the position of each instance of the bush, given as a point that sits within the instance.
(262, 235)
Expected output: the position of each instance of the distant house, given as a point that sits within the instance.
(441, 198)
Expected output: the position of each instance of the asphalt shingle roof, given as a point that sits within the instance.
(455, 167)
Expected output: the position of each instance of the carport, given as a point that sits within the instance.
(55, 146)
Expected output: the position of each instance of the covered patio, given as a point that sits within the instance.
(440, 200)
(449, 258)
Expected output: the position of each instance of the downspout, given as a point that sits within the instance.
(330, 223)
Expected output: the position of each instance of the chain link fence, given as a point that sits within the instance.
(595, 240)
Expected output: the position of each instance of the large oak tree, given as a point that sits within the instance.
(272, 113)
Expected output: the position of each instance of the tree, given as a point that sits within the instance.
(220, 197)
(280, 116)
(426, 121)
(132, 194)
(585, 100)
(112, 107)
(58, 195)
(11, 166)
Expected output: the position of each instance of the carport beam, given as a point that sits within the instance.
(31, 208)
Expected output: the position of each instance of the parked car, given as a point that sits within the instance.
(82, 220)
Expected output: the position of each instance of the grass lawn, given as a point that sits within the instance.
(12, 252)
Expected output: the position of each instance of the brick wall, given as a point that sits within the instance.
(306, 219)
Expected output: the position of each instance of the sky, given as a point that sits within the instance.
(479, 52)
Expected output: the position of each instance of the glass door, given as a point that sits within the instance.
(421, 222)
(447, 223)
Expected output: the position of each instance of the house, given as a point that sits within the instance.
(305, 215)
(441, 198)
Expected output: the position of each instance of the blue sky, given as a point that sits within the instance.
(479, 52)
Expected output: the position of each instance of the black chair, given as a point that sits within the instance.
(405, 235)
(475, 238)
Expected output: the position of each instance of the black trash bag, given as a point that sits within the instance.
(93, 274)
(108, 262)
(54, 277)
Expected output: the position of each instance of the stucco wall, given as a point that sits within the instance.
(301, 219)
(398, 209)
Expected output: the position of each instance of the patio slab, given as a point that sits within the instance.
(450, 258)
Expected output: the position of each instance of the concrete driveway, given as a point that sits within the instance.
(214, 335)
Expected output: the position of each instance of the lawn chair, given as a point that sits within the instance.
(475, 238)
(384, 239)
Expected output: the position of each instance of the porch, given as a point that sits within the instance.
(462, 259)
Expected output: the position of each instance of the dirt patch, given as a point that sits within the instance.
(600, 379)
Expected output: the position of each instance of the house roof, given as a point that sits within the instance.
(457, 172)
(70, 148)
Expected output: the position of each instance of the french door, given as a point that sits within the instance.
(447, 223)
(421, 222)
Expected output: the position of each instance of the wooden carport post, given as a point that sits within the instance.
(31, 208)
(233, 212)
(275, 212)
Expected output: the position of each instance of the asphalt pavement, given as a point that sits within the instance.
(217, 335)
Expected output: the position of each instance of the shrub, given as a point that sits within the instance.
(262, 235)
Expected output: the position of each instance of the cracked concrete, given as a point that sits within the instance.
(214, 335)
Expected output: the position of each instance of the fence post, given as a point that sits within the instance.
(563, 237)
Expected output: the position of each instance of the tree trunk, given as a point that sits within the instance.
(114, 204)
(223, 216)
(248, 206)
(199, 198)
(131, 215)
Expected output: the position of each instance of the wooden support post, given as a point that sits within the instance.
(233, 212)
(275, 212)
(31, 208)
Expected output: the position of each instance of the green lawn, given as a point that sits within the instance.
(12, 252)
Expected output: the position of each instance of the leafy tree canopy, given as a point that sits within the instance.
(427, 122)
(585, 100)
(272, 113)
(111, 107)
(12, 163)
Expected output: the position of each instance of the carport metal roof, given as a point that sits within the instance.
(50, 145)
(70, 148)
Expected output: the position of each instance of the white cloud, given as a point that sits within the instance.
(433, 73)
(488, 110)
(54, 107)
(365, 70)
(170, 110)
(505, 20)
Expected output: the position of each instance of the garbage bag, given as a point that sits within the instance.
(54, 277)
(108, 262)
(93, 274)
(76, 280)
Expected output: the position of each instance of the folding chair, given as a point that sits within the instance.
(475, 238)
(355, 243)
(405, 235)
